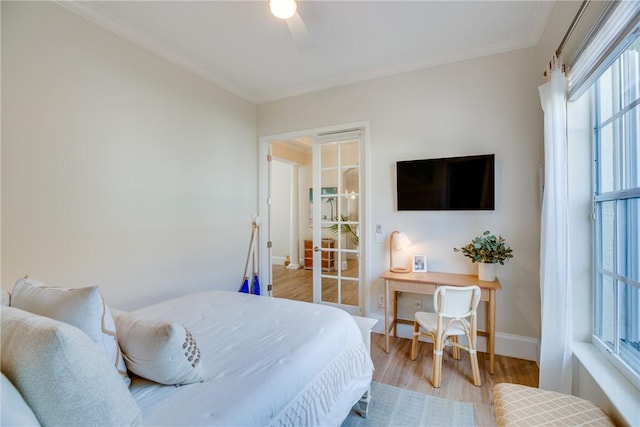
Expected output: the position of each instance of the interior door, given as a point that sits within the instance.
(336, 220)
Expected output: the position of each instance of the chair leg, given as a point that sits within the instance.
(436, 373)
(473, 355)
(454, 349)
(414, 342)
(475, 368)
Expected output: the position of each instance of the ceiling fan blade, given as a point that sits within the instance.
(299, 33)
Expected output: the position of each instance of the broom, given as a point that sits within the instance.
(244, 288)
(256, 282)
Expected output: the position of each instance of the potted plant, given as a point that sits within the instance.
(347, 229)
(487, 250)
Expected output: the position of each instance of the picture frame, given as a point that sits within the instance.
(419, 264)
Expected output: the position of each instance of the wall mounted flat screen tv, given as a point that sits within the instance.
(449, 184)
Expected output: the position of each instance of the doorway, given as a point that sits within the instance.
(312, 213)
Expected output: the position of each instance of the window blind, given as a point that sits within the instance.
(618, 27)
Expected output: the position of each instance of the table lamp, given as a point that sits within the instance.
(398, 241)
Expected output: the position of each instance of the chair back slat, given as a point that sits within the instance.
(456, 301)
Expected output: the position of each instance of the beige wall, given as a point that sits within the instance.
(486, 105)
(118, 168)
(115, 162)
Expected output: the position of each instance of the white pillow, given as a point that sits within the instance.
(83, 308)
(6, 298)
(15, 411)
(158, 350)
(61, 373)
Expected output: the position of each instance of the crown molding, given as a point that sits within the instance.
(134, 35)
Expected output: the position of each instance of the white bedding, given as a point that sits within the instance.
(268, 361)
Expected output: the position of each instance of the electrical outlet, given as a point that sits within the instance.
(380, 300)
(417, 303)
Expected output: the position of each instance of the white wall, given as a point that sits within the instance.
(486, 105)
(119, 168)
(281, 210)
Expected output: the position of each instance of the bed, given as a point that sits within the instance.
(267, 361)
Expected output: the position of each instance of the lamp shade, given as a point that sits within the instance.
(401, 241)
(283, 9)
(398, 241)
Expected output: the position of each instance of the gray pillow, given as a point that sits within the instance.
(15, 411)
(83, 308)
(62, 374)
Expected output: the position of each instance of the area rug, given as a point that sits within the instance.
(393, 406)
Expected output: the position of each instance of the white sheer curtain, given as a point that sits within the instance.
(555, 274)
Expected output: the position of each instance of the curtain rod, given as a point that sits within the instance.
(572, 27)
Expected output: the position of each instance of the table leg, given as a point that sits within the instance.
(395, 313)
(386, 315)
(491, 329)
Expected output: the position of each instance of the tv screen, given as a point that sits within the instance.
(450, 184)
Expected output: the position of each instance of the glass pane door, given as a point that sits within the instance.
(336, 221)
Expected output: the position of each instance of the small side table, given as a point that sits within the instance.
(365, 324)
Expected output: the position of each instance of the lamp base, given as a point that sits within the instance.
(400, 270)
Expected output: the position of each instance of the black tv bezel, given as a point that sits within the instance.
(487, 207)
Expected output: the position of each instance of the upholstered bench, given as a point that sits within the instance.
(519, 405)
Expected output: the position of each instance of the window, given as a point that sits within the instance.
(617, 212)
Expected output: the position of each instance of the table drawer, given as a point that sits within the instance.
(421, 288)
(428, 288)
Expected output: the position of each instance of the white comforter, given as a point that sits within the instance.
(268, 361)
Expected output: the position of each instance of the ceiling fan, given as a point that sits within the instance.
(288, 11)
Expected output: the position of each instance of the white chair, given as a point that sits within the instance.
(455, 315)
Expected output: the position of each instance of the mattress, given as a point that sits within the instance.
(268, 361)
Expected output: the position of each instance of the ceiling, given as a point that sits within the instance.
(240, 46)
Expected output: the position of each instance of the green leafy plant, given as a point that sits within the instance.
(347, 229)
(487, 248)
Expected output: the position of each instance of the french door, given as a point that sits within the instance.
(335, 218)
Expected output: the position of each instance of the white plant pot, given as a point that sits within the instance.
(487, 271)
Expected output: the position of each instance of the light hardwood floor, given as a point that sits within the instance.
(396, 368)
(298, 284)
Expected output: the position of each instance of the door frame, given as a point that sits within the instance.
(264, 257)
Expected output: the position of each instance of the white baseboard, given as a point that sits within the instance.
(518, 346)
(279, 260)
